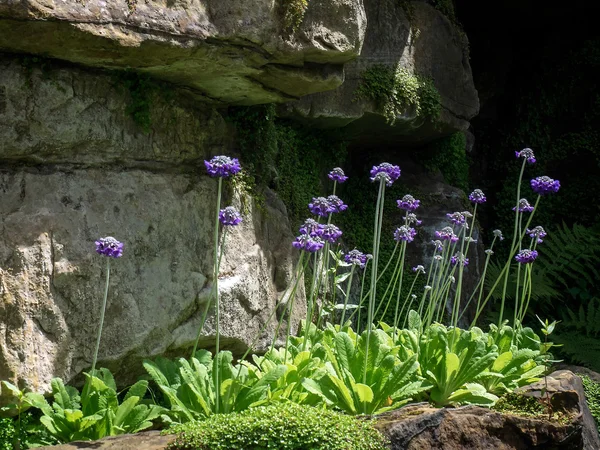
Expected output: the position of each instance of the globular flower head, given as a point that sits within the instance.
(470, 240)
(526, 256)
(337, 174)
(411, 218)
(408, 202)
(308, 243)
(524, 206)
(439, 245)
(357, 258)
(427, 288)
(320, 206)
(418, 269)
(230, 216)
(446, 234)
(222, 166)
(311, 227)
(386, 172)
(527, 154)
(459, 257)
(330, 233)
(336, 204)
(437, 258)
(537, 233)
(109, 246)
(477, 196)
(405, 233)
(498, 234)
(458, 218)
(489, 251)
(545, 185)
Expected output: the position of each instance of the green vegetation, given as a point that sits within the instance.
(140, 88)
(293, 14)
(521, 405)
(448, 155)
(291, 160)
(592, 395)
(280, 427)
(397, 92)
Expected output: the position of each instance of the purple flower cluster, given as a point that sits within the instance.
(357, 258)
(320, 206)
(459, 257)
(405, 233)
(526, 153)
(537, 233)
(330, 233)
(230, 216)
(498, 234)
(386, 172)
(337, 174)
(412, 218)
(446, 234)
(524, 206)
(419, 269)
(311, 227)
(526, 256)
(222, 166)
(109, 246)
(408, 202)
(545, 185)
(336, 204)
(477, 196)
(439, 245)
(458, 218)
(308, 243)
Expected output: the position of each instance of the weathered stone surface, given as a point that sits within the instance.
(146, 440)
(474, 428)
(76, 168)
(429, 45)
(232, 51)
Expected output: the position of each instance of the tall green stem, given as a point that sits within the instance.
(347, 294)
(102, 311)
(216, 287)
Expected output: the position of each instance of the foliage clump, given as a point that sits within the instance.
(397, 91)
(520, 404)
(284, 426)
(592, 395)
(293, 14)
(449, 156)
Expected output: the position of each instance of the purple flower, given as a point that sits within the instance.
(458, 218)
(336, 204)
(408, 202)
(311, 227)
(537, 233)
(320, 206)
(459, 257)
(526, 256)
(405, 233)
(337, 174)
(526, 153)
(419, 269)
(498, 234)
(308, 243)
(446, 234)
(222, 166)
(109, 246)
(439, 245)
(544, 185)
(385, 171)
(357, 258)
(412, 218)
(330, 233)
(230, 216)
(524, 206)
(477, 196)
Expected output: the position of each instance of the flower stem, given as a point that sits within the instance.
(347, 295)
(216, 287)
(101, 317)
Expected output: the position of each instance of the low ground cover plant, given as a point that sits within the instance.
(344, 357)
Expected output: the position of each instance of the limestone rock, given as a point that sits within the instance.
(146, 440)
(426, 44)
(474, 428)
(232, 51)
(75, 168)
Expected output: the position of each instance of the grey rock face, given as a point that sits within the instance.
(427, 44)
(75, 168)
(230, 51)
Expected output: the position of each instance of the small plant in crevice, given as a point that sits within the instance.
(592, 396)
(141, 88)
(396, 92)
(293, 12)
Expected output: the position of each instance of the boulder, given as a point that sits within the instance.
(231, 51)
(76, 168)
(413, 36)
(146, 440)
